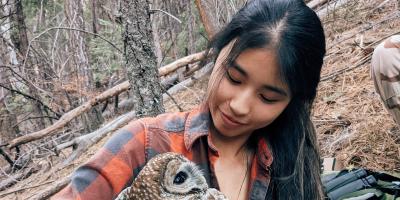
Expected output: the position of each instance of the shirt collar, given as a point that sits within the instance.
(264, 153)
(198, 124)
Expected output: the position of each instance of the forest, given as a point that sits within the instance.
(72, 72)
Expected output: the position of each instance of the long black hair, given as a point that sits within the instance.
(294, 32)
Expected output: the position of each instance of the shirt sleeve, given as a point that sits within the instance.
(111, 169)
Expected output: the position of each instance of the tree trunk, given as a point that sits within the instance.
(8, 120)
(19, 38)
(79, 68)
(155, 21)
(47, 75)
(209, 21)
(141, 63)
(398, 5)
(215, 14)
(40, 16)
(95, 22)
(172, 28)
(77, 43)
(190, 25)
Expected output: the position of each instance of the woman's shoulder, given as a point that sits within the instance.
(169, 130)
(169, 122)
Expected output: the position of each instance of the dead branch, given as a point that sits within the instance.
(173, 100)
(152, 11)
(20, 162)
(66, 118)
(316, 3)
(389, 17)
(169, 81)
(186, 83)
(10, 181)
(361, 62)
(84, 142)
(24, 188)
(50, 191)
(6, 157)
(192, 70)
(31, 98)
(17, 177)
(380, 5)
(73, 29)
(346, 69)
(181, 62)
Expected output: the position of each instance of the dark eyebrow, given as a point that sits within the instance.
(239, 68)
(268, 87)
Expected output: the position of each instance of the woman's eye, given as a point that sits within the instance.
(233, 80)
(267, 100)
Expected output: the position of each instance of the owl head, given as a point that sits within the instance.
(167, 176)
(181, 176)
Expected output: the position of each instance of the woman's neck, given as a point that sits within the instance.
(229, 146)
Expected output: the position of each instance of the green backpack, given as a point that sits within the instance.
(361, 184)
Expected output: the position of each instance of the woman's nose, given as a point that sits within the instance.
(240, 104)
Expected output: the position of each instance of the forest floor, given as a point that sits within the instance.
(351, 122)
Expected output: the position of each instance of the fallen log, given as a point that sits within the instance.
(82, 143)
(4, 184)
(181, 62)
(24, 188)
(186, 83)
(66, 118)
(316, 3)
(169, 81)
(50, 191)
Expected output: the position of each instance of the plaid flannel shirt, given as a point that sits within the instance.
(115, 166)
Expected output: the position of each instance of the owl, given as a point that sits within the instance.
(170, 176)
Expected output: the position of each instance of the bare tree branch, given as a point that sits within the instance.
(66, 118)
(167, 13)
(32, 98)
(68, 28)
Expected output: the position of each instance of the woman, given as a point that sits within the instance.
(252, 137)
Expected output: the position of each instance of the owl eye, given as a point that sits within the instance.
(180, 178)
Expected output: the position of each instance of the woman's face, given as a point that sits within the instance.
(250, 95)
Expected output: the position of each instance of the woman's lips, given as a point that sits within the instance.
(230, 121)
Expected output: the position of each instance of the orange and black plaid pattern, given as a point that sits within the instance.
(115, 165)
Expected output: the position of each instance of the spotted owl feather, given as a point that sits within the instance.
(170, 176)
